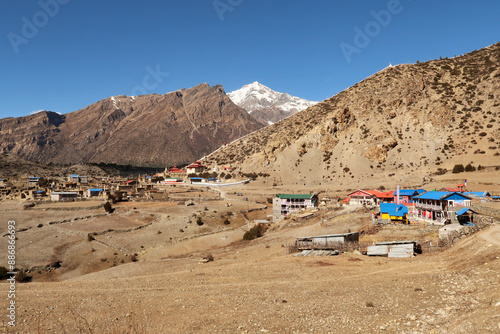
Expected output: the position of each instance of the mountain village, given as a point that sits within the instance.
(286, 202)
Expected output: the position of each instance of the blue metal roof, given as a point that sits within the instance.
(406, 192)
(393, 210)
(73, 175)
(436, 195)
(95, 189)
(196, 178)
(439, 195)
(462, 211)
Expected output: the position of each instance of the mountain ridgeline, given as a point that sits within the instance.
(147, 130)
(402, 123)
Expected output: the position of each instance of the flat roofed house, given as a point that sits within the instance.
(78, 178)
(173, 180)
(196, 179)
(63, 196)
(94, 192)
(33, 179)
(74, 178)
(283, 204)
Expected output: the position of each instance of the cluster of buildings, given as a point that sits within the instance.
(404, 206)
(439, 207)
(80, 187)
(191, 174)
(75, 187)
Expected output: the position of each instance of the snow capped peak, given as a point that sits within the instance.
(256, 96)
(256, 84)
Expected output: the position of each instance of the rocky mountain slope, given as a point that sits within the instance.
(399, 125)
(147, 130)
(266, 105)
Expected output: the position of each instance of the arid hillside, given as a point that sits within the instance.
(147, 130)
(400, 124)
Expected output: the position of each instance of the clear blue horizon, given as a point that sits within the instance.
(62, 55)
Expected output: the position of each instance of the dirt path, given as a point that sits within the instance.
(491, 235)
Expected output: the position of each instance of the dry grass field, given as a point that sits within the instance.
(142, 272)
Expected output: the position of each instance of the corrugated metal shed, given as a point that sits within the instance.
(377, 250)
(330, 241)
(402, 250)
(393, 249)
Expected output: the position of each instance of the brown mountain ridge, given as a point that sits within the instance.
(147, 130)
(402, 124)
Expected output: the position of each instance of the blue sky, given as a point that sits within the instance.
(63, 55)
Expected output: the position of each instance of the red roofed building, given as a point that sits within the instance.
(369, 197)
(362, 197)
(386, 197)
(196, 167)
(176, 170)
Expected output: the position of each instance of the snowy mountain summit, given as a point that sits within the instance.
(265, 104)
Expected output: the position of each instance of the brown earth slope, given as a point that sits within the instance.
(147, 130)
(398, 125)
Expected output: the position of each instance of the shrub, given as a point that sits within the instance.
(199, 221)
(458, 169)
(3, 273)
(255, 232)
(90, 237)
(43, 182)
(470, 168)
(22, 277)
(226, 221)
(28, 206)
(108, 208)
